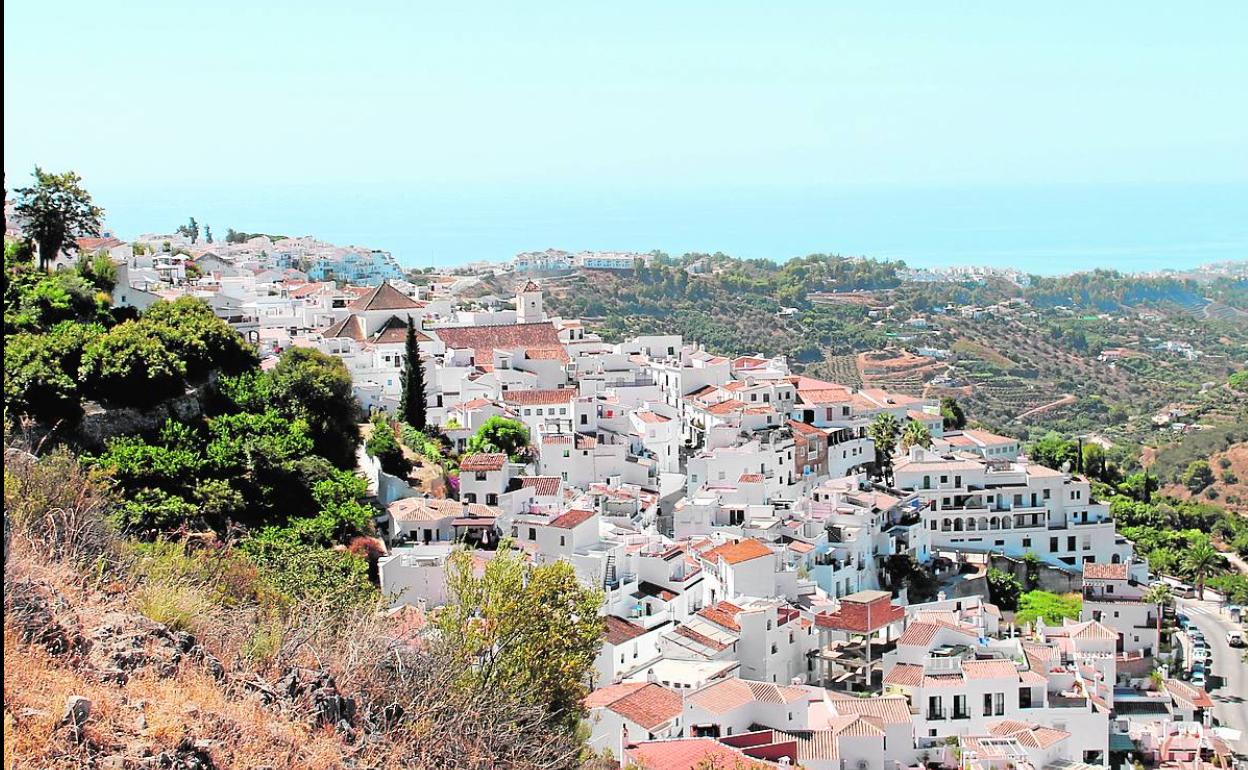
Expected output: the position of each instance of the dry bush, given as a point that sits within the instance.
(53, 507)
(404, 705)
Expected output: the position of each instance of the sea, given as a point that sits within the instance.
(1038, 229)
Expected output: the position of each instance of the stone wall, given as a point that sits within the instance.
(100, 423)
(1048, 577)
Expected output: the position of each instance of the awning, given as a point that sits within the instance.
(474, 522)
(1121, 742)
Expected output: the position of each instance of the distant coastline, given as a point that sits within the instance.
(1037, 230)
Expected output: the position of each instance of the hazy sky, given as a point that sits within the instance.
(585, 94)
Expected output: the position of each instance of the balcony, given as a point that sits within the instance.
(937, 714)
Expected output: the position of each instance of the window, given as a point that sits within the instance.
(563, 540)
(480, 476)
(532, 533)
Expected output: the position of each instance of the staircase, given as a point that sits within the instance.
(609, 579)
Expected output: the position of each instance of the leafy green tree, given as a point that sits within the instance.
(383, 445)
(1093, 460)
(1200, 562)
(57, 211)
(189, 230)
(130, 366)
(207, 234)
(1197, 476)
(36, 301)
(500, 434)
(41, 371)
(951, 411)
(1054, 451)
(412, 404)
(203, 342)
(1003, 589)
(884, 430)
(307, 385)
(99, 270)
(531, 631)
(915, 434)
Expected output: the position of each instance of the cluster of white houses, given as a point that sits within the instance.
(727, 509)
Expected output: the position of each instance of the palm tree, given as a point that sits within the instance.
(915, 434)
(1200, 561)
(884, 430)
(1159, 594)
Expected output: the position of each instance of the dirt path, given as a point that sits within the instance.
(1065, 400)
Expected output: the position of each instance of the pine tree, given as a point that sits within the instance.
(412, 401)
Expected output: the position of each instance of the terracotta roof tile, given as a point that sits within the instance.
(689, 754)
(484, 340)
(542, 486)
(483, 462)
(572, 519)
(619, 630)
(740, 551)
(645, 703)
(540, 397)
(905, 675)
(385, 297)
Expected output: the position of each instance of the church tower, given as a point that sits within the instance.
(529, 304)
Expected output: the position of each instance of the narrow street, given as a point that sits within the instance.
(1229, 689)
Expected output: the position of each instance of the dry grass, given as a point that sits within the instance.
(102, 595)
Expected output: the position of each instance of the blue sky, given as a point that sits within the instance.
(683, 95)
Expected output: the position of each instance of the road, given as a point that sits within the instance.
(1231, 693)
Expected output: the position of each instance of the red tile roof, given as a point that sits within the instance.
(990, 669)
(905, 675)
(1196, 697)
(647, 704)
(730, 694)
(723, 614)
(384, 297)
(740, 551)
(921, 634)
(572, 519)
(483, 462)
(619, 630)
(540, 397)
(864, 612)
(484, 340)
(543, 486)
(690, 754)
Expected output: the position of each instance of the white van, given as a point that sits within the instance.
(1235, 638)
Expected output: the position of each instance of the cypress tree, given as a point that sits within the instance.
(412, 401)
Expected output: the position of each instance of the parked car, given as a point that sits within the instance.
(1183, 620)
(1201, 654)
(1198, 678)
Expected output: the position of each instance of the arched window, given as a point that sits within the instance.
(1005, 522)
(996, 522)
(970, 524)
(957, 525)
(1115, 559)
(983, 522)
(945, 525)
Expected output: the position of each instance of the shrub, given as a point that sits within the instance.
(130, 366)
